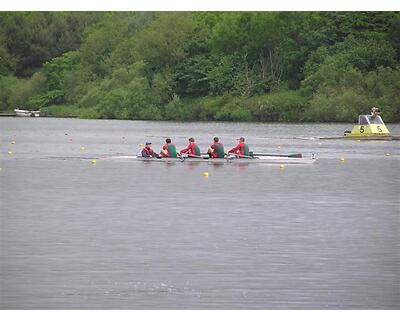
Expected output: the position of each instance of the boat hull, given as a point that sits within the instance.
(368, 138)
(233, 160)
(26, 113)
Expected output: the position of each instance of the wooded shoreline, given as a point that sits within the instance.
(202, 66)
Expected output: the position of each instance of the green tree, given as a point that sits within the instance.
(33, 38)
(165, 41)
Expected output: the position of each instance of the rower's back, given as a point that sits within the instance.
(246, 150)
(172, 151)
(197, 150)
(219, 150)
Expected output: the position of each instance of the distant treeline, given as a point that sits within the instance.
(228, 66)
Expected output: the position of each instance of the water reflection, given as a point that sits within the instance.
(217, 165)
(192, 165)
(241, 167)
(169, 164)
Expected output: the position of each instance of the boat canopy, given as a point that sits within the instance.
(368, 119)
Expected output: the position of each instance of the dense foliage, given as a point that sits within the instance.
(228, 66)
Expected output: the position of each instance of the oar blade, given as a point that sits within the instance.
(295, 155)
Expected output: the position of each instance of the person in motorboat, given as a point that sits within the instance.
(169, 150)
(375, 111)
(216, 150)
(242, 149)
(148, 152)
(192, 149)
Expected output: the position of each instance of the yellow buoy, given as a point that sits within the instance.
(358, 140)
(141, 145)
(387, 154)
(13, 142)
(205, 174)
(342, 159)
(93, 162)
(282, 166)
(82, 148)
(9, 152)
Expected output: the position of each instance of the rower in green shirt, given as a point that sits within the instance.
(216, 150)
(169, 149)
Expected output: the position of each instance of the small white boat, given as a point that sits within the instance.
(277, 159)
(26, 113)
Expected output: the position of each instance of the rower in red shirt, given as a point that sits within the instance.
(216, 150)
(241, 149)
(192, 149)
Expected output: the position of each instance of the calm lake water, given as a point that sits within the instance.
(130, 235)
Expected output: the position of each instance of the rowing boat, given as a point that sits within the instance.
(271, 159)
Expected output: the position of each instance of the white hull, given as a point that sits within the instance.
(26, 113)
(259, 159)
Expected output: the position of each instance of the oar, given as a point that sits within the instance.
(195, 156)
(207, 155)
(243, 156)
(293, 155)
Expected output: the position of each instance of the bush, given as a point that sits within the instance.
(342, 93)
(382, 87)
(175, 109)
(60, 111)
(150, 113)
(21, 91)
(205, 108)
(56, 68)
(7, 84)
(343, 107)
(125, 95)
(234, 114)
(92, 98)
(46, 99)
(279, 106)
(88, 113)
(234, 110)
(162, 88)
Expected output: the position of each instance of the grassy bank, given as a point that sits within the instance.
(284, 106)
(67, 111)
